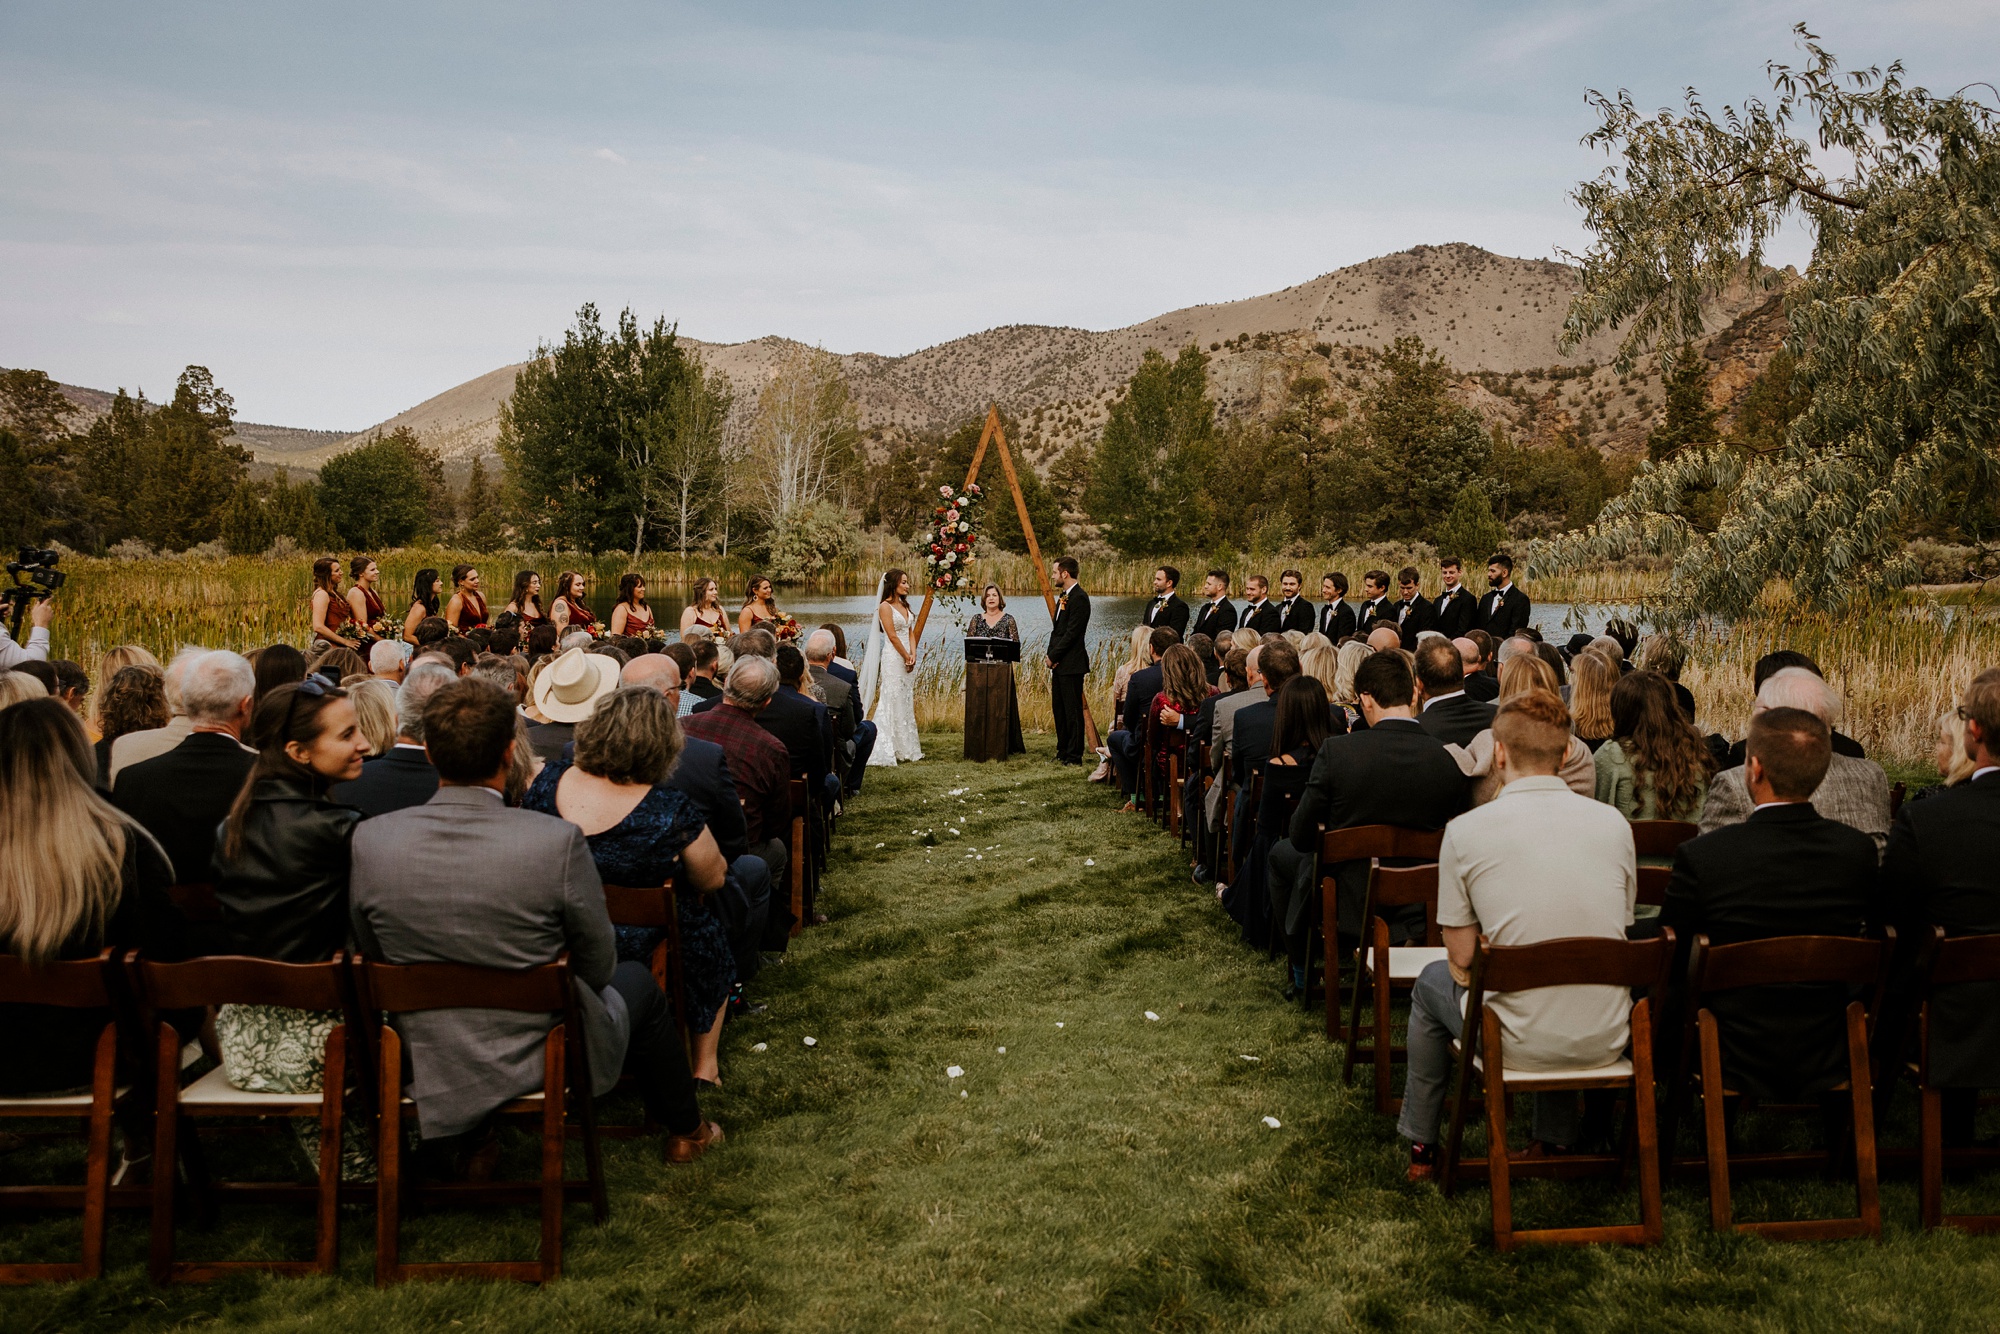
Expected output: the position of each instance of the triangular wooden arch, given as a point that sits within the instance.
(996, 434)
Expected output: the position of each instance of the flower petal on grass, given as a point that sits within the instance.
(812, 1042)
(953, 1071)
(1248, 1057)
(1152, 1017)
(1090, 861)
(1271, 1121)
(761, 1046)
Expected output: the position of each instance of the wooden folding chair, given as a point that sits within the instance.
(1786, 960)
(1577, 961)
(1148, 798)
(1658, 838)
(1390, 968)
(1363, 842)
(801, 801)
(655, 909)
(393, 989)
(82, 984)
(196, 900)
(1952, 961)
(235, 980)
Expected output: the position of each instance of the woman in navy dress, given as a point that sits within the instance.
(642, 834)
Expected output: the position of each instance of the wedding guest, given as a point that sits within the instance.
(101, 883)
(1298, 724)
(460, 651)
(337, 663)
(1954, 765)
(364, 600)
(426, 600)
(1137, 660)
(1590, 697)
(1768, 666)
(1482, 668)
(704, 609)
(842, 668)
(1656, 766)
(386, 661)
(570, 613)
(134, 701)
(801, 723)
(1235, 679)
(1523, 674)
(374, 710)
(526, 600)
(277, 665)
(1128, 741)
(1449, 714)
(40, 617)
(1660, 654)
(630, 614)
(400, 775)
(707, 665)
(854, 734)
(1854, 792)
(72, 686)
(758, 762)
(431, 631)
(1540, 863)
(467, 609)
(180, 797)
(135, 746)
(1254, 723)
(565, 693)
(114, 661)
(538, 897)
(542, 642)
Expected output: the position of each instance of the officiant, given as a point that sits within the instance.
(992, 706)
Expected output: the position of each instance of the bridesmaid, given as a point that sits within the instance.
(362, 599)
(424, 596)
(527, 600)
(467, 608)
(330, 612)
(569, 612)
(630, 615)
(704, 609)
(759, 607)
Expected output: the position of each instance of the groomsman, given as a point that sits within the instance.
(1167, 609)
(1503, 612)
(1260, 613)
(1457, 609)
(1336, 618)
(1414, 614)
(1294, 612)
(1069, 661)
(1218, 615)
(1374, 601)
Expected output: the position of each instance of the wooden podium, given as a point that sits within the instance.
(992, 712)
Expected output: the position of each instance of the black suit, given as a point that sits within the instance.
(702, 774)
(1392, 773)
(1373, 610)
(1216, 619)
(703, 687)
(1456, 719)
(396, 781)
(1262, 617)
(1296, 614)
(549, 740)
(1842, 743)
(1069, 653)
(1413, 618)
(1786, 871)
(1139, 691)
(1483, 686)
(1456, 612)
(800, 722)
(181, 796)
(1336, 620)
(1502, 614)
(1250, 741)
(1172, 613)
(1940, 870)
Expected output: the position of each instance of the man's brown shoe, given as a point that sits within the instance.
(687, 1148)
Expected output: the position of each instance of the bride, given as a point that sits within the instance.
(892, 660)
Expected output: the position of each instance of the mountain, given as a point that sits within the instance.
(1495, 319)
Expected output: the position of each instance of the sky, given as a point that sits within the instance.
(343, 210)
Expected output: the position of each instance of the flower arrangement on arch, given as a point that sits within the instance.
(950, 543)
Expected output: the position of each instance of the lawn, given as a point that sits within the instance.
(1106, 1170)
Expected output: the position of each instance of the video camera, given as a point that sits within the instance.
(35, 577)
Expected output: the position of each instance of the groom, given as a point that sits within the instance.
(1069, 662)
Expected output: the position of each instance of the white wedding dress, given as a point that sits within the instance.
(895, 709)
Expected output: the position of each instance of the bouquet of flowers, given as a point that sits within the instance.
(786, 628)
(384, 628)
(947, 546)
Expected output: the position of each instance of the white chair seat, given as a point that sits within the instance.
(58, 1104)
(214, 1090)
(1406, 961)
(1618, 1069)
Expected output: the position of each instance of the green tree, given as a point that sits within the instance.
(1690, 417)
(893, 495)
(684, 477)
(1469, 531)
(480, 506)
(1769, 406)
(1002, 526)
(261, 510)
(1150, 478)
(43, 498)
(1421, 447)
(378, 495)
(1891, 328)
(163, 475)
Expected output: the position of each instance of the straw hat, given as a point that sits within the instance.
(569, 688)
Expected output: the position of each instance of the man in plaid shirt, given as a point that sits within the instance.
(758, 761)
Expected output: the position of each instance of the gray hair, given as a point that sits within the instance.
(177, 671)
(752, 682)
(1513, 647)
(819, 646)
(576, 639)
(1609, 647)
(386, 656)
(1797, 688)
(426, 678)
(214, 685)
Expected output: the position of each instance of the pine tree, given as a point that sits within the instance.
(1151, 476)
(1689, 418)
(1470, 531)
(482, 513)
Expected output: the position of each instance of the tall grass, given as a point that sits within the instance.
(1898, 664)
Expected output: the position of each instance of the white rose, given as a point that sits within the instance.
(964, 527)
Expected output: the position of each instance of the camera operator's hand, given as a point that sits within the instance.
(43, 614)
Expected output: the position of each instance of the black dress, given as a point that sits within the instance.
(977, 748)
(1249, 899)
(645, 849)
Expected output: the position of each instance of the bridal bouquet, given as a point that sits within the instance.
(786, 628)
(947, 546)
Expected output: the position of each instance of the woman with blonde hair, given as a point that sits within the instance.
(1595, 674)
(1313, 641)
(19, 688)
(113, 662)
(1138, 660)
(374, 702)
(1245, 638)
(1952, 762)
(1348, 659)
(1524, 675)
(76, 876)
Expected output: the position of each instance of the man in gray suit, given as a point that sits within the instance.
(1854, 792)
(536, 895)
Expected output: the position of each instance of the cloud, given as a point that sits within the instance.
(607, 155)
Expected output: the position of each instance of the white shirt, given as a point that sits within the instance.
(35, 650)
(1439, 699)
(1540, 862)
(1978, 774)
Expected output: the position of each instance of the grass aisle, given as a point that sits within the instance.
(1107, 1171)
